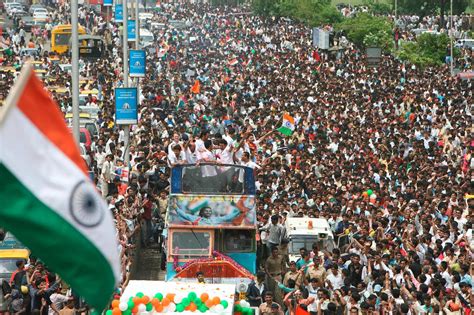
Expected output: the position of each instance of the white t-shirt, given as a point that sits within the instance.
(225, 156)
(58, 300)
(336, 280)
(191, 157)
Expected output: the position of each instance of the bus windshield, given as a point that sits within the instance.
(187, 244)
(62, 39)
(201, 179)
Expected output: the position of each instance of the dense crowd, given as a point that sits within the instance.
(401, 132)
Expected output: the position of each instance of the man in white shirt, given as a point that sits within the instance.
(106, 175)
(334, 278)
(58, 300)
(225, 156)
(191, 153)
(108, 149)
(245, 161)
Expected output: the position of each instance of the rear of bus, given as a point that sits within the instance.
(60, 37)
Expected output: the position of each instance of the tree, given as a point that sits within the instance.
(265, 7)
(378, 7)
(428, 7)
(428, 50)
(367, 30)
(311, 12)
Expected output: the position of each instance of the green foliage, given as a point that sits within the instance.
(312, 12)
(367, 30)
(378, 7)
(428, 50)
(427, 7)
(380, 39)
(265, 7)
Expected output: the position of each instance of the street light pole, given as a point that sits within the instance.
(451, 40)
(75, 71)
(125, 81)
(396, 9)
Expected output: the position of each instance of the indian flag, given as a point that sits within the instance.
(47, 200)
(288, 125)
(233, 62)
(181, 103)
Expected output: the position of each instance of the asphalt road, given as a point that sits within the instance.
(8, 23)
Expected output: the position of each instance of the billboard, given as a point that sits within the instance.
(137, 63)
(126, 106)
(224, 211)
(320, 38)
(118, 13)
(131, 29)
(108, 3)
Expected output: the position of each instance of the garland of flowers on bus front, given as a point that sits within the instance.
(216, 256)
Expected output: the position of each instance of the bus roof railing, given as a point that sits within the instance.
(211, 164)
(176, 186)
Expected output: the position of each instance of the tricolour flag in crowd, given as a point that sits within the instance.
(47, 200)
(233, 62)
(181, 103)
(288, 125)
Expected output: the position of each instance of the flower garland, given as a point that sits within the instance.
(176, 264)
(216, 256)
(220, 256)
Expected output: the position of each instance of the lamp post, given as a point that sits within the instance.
(126, 128)
(75, 71)
(451, 40)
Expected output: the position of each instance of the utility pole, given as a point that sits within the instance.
(137, 43)
(451, 39)
(75, 71)
(396, 11)
(126, 128)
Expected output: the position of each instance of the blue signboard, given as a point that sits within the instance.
(126, 106)
(118, 13)
(131, 30)
(108, 3)
(137, 63)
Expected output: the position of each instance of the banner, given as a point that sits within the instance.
(126, 106)
(137, 63)
(118, 13)
(132, 33)
(108, 3)
(230, 210)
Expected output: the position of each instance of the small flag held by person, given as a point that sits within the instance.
(288, 125)
(196, 88)
(181, 102)
(48, 201)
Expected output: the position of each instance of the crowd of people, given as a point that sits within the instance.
(216, 91)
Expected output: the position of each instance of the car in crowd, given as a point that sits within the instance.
(146, 38)
(465, 43)
(41, 15)
(13, 7)
(33, 7)
(31, 52)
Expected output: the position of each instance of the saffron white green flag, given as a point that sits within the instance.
(288, 125)
(47, 200)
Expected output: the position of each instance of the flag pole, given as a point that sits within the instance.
(75, 72)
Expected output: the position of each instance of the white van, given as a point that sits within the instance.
(304, 232)
(146, 38)
(465, 43)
